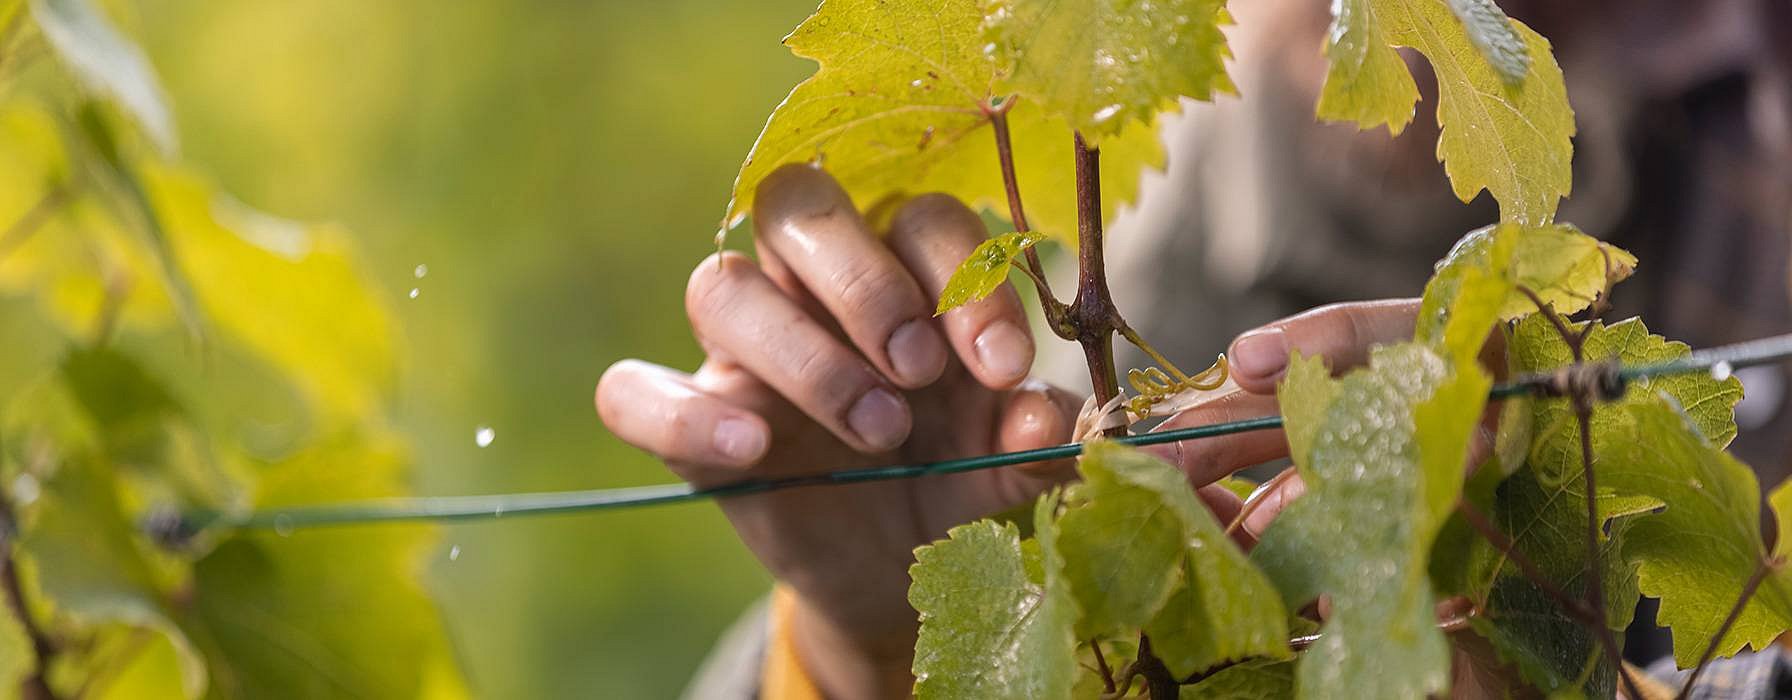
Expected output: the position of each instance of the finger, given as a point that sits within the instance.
(739, 313)
(1340, 333)
(932, 234)
(1268, 501)
(1208, 459)
(659, 410)
(1224, 504)
(809, 223)
(1038, 415)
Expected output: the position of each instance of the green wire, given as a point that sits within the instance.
(1719, 360)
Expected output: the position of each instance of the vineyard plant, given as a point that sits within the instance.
(1485, 504)
(1423, 544)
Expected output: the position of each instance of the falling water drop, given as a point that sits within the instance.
(1721, 371)
(414, 292)
(283, 525)
(484, 435)
(454, 553)
(421, 271)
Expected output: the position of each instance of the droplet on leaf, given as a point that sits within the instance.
(25, 490)
(454, 553)
(283, 525)
(483, 436)
(421, 271)
(1721, 371)
(414, 292)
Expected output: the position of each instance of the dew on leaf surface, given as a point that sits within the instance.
(421, 271)
(484, 435)
(454, 553)
(414, 292)
(25, 490)
(283, 525)
(1721, 371)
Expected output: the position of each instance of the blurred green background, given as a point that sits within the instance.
(559, 167)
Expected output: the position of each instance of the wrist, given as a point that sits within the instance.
(841, 662)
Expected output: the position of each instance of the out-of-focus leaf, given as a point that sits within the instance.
(996, 618)
(1494, 36)
(85, 557)
(1241, 487)
(108, 63)
(1101, 64)
(898, 105)
(985, 270)
(1384, 470)
(334, 613)
(17, 658)
(1305, 394)
(1123, 542)
(1510, 139)
(289, 292)
(1252, 680)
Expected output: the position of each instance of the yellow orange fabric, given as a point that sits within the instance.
(783, 677)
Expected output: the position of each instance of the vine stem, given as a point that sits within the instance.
(1748, 591)
(1477, 520)
(1056, 314)
(1582, 401)
(36, 686)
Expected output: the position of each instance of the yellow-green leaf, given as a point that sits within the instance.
(1384, 468)
(1101, 64)
(290, 292)
(901, 104)
(1493, 35)
(1512, 139)
(985, 270)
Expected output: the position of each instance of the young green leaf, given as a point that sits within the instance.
(1101, 64)
(1141, 534)
(1384, 469)
(1252, 680)
(985, 270)
(1305, 394)
(1697, 552)
(108, 63)
(1510, 139)
(996, 619)
(901, 104)
(1564, 267)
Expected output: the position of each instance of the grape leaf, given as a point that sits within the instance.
(85, 557)
(1219, 606)
(996, 618)
(1697, 552)
(1564, 267)
(107, 63)
(1100, 64)
(1541, 508)
(324, 613)
(1547, 524)
(1555, 451)
(1383, 470)
(1305, 393)
(985, 270)
(1492, 34)
(1252, 680)
(1240, 486)
(291, 293)
(1512, 140)
(901, 104)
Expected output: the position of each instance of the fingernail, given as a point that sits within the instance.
(1259, 354)
(917, 353)
(739, 439)
(879, 418)
(1005, 351)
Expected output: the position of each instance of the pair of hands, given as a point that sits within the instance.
(825, 355)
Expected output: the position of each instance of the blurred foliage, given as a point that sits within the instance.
(527, 185)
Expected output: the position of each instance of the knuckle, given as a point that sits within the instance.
(864, 289)
(933, 210)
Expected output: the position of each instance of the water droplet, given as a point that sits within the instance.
(1106, 113)
(484, 435)
(283, 525)
(915, 83)
(25, 489)
(454, 553)
(1721, 371)
(415, 292)
(421, 271)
